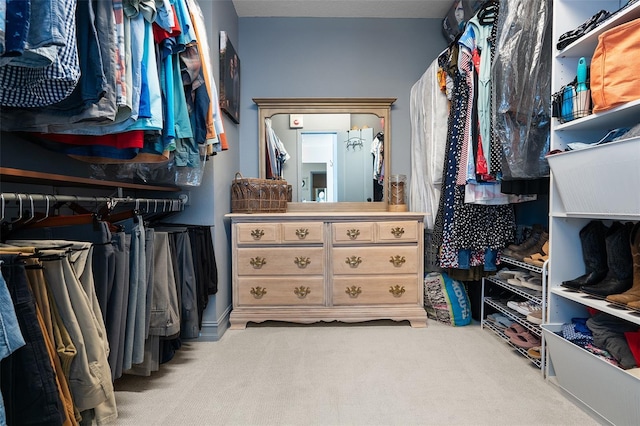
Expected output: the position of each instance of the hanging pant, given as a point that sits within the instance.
(38, 288)
(90, 376)
(108, 274)
(27, 378)
(10, 336)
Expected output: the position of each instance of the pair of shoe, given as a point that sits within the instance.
(570, 36)
(525, 308)
(608, 258)
(538, 259)
(521, 337)
(513, 249)
(528, 280)
(533, 245)
(535, 317)
(535, 352)
(500, 321)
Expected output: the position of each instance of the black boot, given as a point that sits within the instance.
(594, 253)
(620, 276)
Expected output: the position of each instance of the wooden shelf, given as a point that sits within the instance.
(8, 174)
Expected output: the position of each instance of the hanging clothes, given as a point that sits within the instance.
(377, 150)
(277, 154)
(469, 228)
(27, 78)
(121, 66)
(523, 66)
(429, 109)
(69, 279)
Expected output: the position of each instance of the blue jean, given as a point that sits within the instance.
(10, 336)
(16, 27)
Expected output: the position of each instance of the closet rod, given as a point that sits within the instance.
(166, 204)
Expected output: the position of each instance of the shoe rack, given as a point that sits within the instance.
(495, 295)
(601, 183)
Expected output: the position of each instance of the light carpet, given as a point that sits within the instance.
(376, 373)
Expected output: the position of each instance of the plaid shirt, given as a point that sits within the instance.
(38, 87)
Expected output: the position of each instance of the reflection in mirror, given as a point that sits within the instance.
(336, 149)
(336, 152)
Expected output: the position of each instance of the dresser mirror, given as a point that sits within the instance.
(334, 147)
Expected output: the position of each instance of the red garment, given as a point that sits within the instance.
(131, 139)
(160, 34)
(633, 339)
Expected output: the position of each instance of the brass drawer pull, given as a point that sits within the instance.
(257, 234)
(258, 262)
(353, 261)
(258, 292)
(302, 233)
(396, 290)
(302, 291)
(302, 262)
(397, 232)
(397, 261)
(353, 233)
(353, 291)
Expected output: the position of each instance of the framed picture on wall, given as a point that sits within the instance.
(229, 79)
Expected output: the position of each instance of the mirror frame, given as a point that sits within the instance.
(381, 107)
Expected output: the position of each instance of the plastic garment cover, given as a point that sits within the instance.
(159, 173)
(429, 114)
(522, 66)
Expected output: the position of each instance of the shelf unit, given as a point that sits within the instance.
(599, 182)
(538, 297)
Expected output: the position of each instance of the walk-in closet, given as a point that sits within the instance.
(238, 212)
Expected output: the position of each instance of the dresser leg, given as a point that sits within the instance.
(418, 323)
(237, 325)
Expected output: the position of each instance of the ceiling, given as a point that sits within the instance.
(343, 8)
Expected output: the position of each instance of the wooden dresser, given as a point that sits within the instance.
(309, 267)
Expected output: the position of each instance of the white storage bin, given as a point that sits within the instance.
(600, 180)
(608, 390)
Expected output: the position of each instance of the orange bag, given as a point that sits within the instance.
(615, 79)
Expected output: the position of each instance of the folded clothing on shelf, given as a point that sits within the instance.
(570, 36)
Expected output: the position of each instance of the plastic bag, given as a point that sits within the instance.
(522, 65)
(457, 16)
(159, 173)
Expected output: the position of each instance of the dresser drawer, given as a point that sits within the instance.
(349, 290)
(303, 232)
(280, 261)
(257, 233)
(274, 291)
(401, 231)
(353, 232)
(375, 260)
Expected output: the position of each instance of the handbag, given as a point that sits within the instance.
(614, 73)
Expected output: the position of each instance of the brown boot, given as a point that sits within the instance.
(537, 248)
(632, 296)
(512, 249)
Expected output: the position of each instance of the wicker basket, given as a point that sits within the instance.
(253, 195)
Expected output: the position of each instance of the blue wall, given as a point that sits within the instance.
(322, 57)
(211, 200)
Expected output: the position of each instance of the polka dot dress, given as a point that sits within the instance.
(460, 226)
